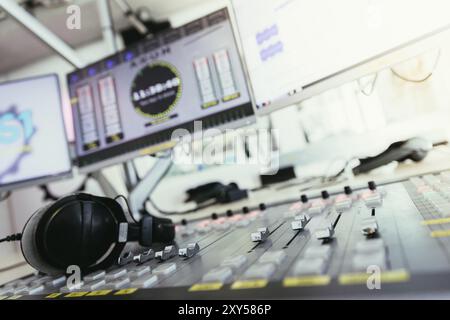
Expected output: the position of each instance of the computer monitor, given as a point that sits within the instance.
(295, 49)
(129, 104)
(33, 143)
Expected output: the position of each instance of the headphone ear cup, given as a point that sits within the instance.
(79, 229)
(29, 248)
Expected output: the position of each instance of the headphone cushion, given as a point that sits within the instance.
(29, 246)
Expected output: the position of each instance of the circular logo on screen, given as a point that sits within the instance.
(156, 89)
(16, 132)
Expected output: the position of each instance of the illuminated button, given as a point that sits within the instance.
(276, 257)
(361, 262)
(290, 214)
(31, 290)
(20, 290)
(253, 215)
(439, 203)
(242, 223)
(112, 275)
(370, 246)
(235, 263)
(315, 266)
(71, 288)
(417, 182)
(445, 176)
(95, 285)
(424, 189)
(313, 252)
(117, 284)
(260, 271)
(223, 275)
(221, 226)
(431, 179)
(41, 280)
(95, 275)
(6, 291)
(25, 281)
(372, 199)
(146, 281)
(56, 281)
(10, 285)
(260, 235)
(186, 231)
(165, 269)
(139, 272)
(235, 218)
(203, 229)
(343, 202)
(317, 207)
(191, 250)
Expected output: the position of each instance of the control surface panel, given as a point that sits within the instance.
(388, 241)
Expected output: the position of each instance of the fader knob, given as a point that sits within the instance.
(325, 194)
(372, 185)
(262, 206)
(189, 251)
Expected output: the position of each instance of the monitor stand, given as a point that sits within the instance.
(139, 189)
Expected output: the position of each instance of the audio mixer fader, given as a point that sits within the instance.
(390, 241)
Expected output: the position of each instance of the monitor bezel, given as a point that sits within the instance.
(167, 145)
(46, 178)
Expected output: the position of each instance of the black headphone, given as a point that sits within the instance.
(87, 231)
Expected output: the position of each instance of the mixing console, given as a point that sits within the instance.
(389, 241)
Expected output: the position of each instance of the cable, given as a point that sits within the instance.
(4, 196)
(120, 196)
(48, 195)
(171, 213)
(428, 76)
(13, 237)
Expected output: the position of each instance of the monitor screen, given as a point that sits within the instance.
(299, 43)
(128, 104)
(33, 144)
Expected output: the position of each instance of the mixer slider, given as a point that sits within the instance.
(191, 250)
(260, 235)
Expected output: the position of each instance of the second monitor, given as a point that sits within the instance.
(129, 104)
